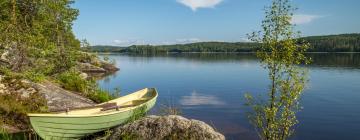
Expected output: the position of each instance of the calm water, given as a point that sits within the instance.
(211, 88)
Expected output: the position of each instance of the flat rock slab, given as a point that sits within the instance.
(60, 99)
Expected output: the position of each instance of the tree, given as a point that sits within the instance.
(37, 35)
(280, 53)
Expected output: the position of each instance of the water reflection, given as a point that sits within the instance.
(199, 99)
(334, 82)
(341, 60)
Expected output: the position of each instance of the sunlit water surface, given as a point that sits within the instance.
(211, 88)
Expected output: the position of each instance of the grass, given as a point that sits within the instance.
(169, 108)
(137, 114)
(71, 80)
(3, 134)
(13, 108)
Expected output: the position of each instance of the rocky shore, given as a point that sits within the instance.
(150, 127)
(55, 96)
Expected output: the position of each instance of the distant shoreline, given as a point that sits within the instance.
(208, 52)
(318, 44)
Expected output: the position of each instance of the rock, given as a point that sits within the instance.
(83, 75)
(3, 89)
(25, 93)
(59, 99)
(31, 90)
(110, 68)
(26, 83)
(87, 67)
(4, 56)
(167, 127)
(2, 86)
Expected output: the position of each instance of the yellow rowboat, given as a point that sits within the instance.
(74, 124)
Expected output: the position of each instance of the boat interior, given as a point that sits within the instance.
(123, 103)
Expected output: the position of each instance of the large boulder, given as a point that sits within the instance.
(166, 127)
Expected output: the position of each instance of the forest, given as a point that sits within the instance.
(329, 43)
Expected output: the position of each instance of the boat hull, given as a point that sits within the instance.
(54, 128)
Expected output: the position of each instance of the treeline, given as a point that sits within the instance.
(334, 43)
(330, 43)
(194, 47)
(224, 47)
(103, 48)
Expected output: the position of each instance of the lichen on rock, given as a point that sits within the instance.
(166, 127)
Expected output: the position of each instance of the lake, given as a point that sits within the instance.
(210, 87)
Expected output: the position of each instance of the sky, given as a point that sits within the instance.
(160, 22)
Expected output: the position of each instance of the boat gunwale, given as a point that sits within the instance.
(31, 115)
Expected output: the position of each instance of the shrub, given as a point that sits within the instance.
(101, 96)
(71, 80)
(34, 76)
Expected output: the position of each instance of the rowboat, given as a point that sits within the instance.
(77, 123)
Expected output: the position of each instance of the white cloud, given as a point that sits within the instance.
(195, 4)
(303, 18)
(197, 99)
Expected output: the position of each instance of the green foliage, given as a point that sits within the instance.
(178, 48)
(14, 113)
(4, 135)
(103, 48)
(137, 114)
(330, 43)
(334, 43)
(34, 76)
(30, 74)
(280, 53)
(35, 33)
(9, 75)
(101, 96)
(71, 80)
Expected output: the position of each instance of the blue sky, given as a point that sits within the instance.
(127, 22)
